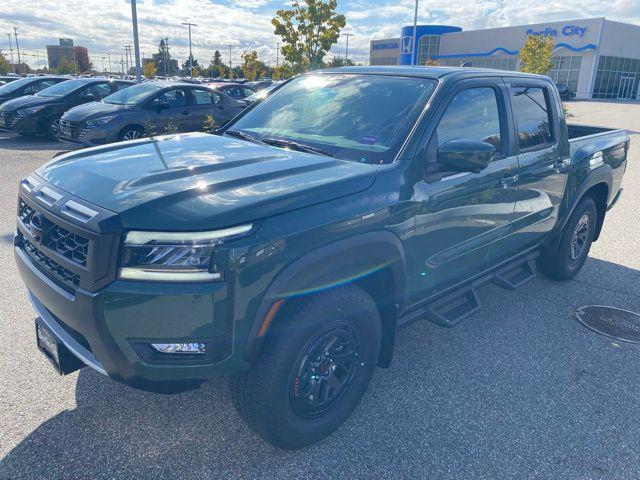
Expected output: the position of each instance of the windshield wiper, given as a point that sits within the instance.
(242, 135)
(301, 147)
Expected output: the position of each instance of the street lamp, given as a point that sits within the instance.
(189, 24)
(413, 40)
(136, 43)
(346, 52)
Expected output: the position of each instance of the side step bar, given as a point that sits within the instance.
(452, 307)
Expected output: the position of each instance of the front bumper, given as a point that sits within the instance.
(88, 137)
(110, 330)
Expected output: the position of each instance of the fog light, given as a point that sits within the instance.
(189, 348)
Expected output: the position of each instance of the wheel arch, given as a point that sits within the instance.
(373, 261)
(597, 185)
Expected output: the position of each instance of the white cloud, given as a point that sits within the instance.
(105, 26)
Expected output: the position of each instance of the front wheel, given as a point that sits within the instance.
(53, 128)
(575, 242)
(131, 133)
(315, 366)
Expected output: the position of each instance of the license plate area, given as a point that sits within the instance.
(62, 359)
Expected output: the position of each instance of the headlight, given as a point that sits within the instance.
(100, 121)
(174, 256)
(29, 111)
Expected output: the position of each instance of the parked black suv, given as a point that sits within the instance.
(565, 92)
(40, 113)
(146, 109)
(27, 86)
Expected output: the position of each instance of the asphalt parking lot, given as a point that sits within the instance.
(519, 390)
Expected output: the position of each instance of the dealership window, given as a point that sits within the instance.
(566, 70)
(428, 48)
(617, 77)
(496, 63)
(384, 60)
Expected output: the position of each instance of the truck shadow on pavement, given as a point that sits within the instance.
(518, 390)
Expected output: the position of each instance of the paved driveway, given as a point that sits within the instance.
(519, 390)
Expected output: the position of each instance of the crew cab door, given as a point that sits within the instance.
(543, 157)
(462, 217)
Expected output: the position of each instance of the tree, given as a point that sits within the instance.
(339, 62)
(535, 55)
(253, 68)
(163, 59)
(186, 66)
(283, 71)
(81, 55)
(5, 66)
(308, 31)
(65, 67)
(149, 70)
(216, 67)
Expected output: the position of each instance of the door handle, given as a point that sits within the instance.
(185, 112)
(509, 181)
(560, 165)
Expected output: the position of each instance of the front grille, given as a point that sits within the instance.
(73, 129)
(8, 119)
(66, 276)
(68, 244)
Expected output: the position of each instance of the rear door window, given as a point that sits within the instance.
(531, 110)
(204, 97)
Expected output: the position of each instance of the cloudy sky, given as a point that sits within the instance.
(104, 26)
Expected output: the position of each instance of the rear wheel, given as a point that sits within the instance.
(131, 133)
(575, 242)
(314, 368)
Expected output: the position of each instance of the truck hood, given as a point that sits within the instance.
(198, 181)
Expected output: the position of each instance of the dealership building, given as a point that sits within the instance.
(595, 57)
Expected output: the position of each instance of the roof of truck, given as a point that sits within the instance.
(429, 72)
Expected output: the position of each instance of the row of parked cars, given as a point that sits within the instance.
(96, 111)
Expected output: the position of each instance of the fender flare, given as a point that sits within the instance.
(380, 249)
(598, 176)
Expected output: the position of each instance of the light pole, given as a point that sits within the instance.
(103, 72)
(346, 52)
(136, 44)
(13, 65)
(15, 34)
(109, 62)
(413, 40)
(277, 54)
(230, 64)
(189, 24)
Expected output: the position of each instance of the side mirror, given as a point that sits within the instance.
(462, 155)
(162, 106)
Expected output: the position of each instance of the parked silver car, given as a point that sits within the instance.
(147, 109)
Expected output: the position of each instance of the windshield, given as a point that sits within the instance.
(15, 85)
(349, 116)
(62, 89)
(133, 95)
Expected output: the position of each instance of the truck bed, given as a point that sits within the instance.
(585, 140)
(578, 131)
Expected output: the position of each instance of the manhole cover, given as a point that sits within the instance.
(610, 321)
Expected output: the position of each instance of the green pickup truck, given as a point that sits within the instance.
(287, 249)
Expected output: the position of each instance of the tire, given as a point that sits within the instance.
(278, 397)
(575, 242)
(131, 133)
(53, 128)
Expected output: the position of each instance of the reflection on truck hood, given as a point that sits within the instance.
(200, 181)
